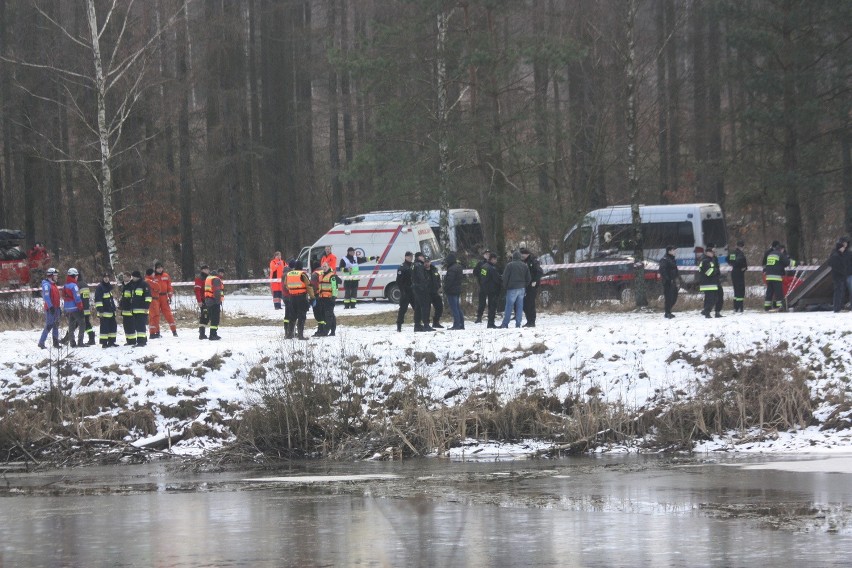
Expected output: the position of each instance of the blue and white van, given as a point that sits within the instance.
(688, 226)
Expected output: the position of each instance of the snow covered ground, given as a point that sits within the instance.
(634, 358)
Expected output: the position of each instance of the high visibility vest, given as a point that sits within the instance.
(295, 284)
(327, 285)
(210, 287)
(351, 267)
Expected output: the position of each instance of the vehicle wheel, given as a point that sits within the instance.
(627, 295)
(393, 293)
(545, 297)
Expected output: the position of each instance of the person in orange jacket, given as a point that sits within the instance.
(166, 293)
(154, 306)
(276, 273)
(329, 258)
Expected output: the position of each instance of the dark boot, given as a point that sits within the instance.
(399, 327)
(201, 334)
(437, 324)
(56, 342)
(174, 332)
(214, 335)
(91, 338)
(301, 330)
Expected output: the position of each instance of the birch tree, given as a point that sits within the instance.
(114, 82)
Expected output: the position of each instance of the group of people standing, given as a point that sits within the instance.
(419, 283)
(776, 262)
(141, 300)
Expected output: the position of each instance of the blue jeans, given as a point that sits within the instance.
(455, 309)
(514, 301)
(51, 324)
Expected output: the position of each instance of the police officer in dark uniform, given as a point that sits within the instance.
(670, 276)
(406, 295)
(739, 265)
(837, 262)
(435, 300)
(420, 283)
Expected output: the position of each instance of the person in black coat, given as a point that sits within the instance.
(670, 277)
(479, 272)
(452, 288)
(435, 300)
(420, 285)
(839, 272)
(492, 280)
(406, 294)
(739, 265)
(532, 290)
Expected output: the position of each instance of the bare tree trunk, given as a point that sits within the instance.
(846, 180)
(540, 82)
(673, 98)
(333, 118)
(443, 134)
(699, 102)
(346, 98)
(187, 250)
(662, 104)
(633, 157)
(105, 181)
(716, 177)
(790, 154)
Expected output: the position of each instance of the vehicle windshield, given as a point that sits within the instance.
(469, 238)
(714, 232)
(430, 248)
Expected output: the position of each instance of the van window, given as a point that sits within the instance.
(714, 232)
(429, 247)
(659, 235)
(469, 237)
(582, 236)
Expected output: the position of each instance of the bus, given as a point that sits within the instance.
(465, 225)
(688, 226)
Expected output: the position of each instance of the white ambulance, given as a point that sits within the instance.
(465, 226)
(383, 245)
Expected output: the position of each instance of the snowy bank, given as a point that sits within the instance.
(639, 362)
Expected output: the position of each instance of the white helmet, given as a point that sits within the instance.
(73, 272)
(51, 271)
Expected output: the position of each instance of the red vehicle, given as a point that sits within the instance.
(18, 268)
(595, 280)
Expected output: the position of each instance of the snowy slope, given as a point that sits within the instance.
(626, 358)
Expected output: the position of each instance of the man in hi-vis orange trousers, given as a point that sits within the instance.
(166, 293)
(154, 306)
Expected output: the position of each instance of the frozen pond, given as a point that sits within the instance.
(612, 511)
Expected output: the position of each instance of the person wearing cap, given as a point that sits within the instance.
(350, 267)
(105, 307)
(739, 265)
(52, 313)
(480, 271)
(203, 316)
(214, 295)
(709, 281)
(420, 283)
(73, 306)
(670, 276)
(530, 293)
(140, 302)
(775, 264)
(406, 294)
(326, 292)
(86, 297)
(167, 292)
(837, 262)
(124, 305)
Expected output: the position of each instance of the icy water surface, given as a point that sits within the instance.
(575, 512)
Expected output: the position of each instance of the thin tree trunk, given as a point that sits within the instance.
(187, 251)
(633, 157)
(662, 104)
(540, 82)
(699, 103)
(346, 98)
(105, 181)
(333, 118)
(443, 131)
(673, 101)
(846, 180)
(714, 109)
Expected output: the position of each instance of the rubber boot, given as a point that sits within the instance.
(436, 323)
(56, 342)
(214, 335)
(301, 331)
(91, 338)
(201, 334)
